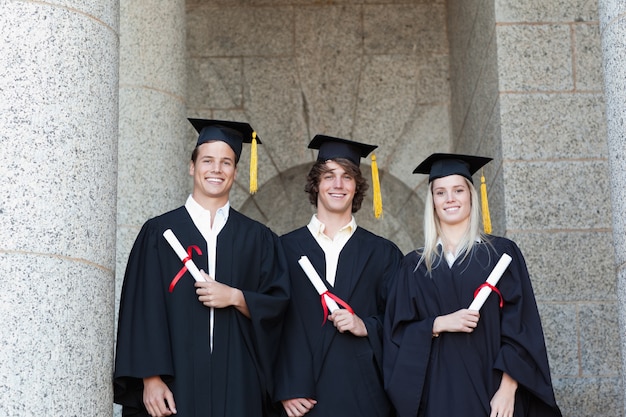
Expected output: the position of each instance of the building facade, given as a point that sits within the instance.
(95, 96)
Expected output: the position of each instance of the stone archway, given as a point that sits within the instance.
(282, 205)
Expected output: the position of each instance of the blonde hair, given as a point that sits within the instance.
(430, 253)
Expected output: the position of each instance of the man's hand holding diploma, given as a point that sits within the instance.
(215, 294)
(346, 321)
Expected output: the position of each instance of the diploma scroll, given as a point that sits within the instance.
(180, 251)
(193, 270)
(317, 282)
(492, 280)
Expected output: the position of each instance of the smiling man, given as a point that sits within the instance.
(199, 349)
(330, 365)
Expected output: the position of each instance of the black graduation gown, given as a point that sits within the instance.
(167, 334)
(341, 371)
(457, 374)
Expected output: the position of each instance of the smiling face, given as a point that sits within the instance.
(452, 201)
(336, 190)
(214, 172)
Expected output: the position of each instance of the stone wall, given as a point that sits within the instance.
(526, 88)
(376, 73)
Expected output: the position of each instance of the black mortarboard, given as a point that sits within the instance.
(235, 134)
(330, 148)
(440, 165)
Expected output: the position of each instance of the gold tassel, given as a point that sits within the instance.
(253, 165)
(485, 204)
(378, 199)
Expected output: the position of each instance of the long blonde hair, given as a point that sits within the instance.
(431, 253)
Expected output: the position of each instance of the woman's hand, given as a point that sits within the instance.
(463, 320)
(503, 401)
(297, 407)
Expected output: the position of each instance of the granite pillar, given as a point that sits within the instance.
(153, 153)
(153, 150)
(613, 35)
(58, 165)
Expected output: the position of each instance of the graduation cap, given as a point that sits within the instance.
(439, 165)
(234, 134)
(331, 147)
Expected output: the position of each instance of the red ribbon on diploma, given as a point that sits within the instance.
(182, 271)
(337, 300)
(493, 288)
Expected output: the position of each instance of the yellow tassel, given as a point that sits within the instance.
(378, 199)
(485, 204)
(253, 165)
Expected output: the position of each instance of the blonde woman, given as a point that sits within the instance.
(440, 358)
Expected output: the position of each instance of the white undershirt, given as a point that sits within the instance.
(202, 219)
(331, 247)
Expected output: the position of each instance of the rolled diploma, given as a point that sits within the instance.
(182, 254)
(315, 279)
(193, 270)
(492, 279)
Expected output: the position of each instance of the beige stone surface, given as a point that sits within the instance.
(548, 195)
(535, 57)
(546, 11)
(588, 68)
(553, 126)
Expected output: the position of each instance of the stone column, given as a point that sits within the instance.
(153, 148)
(58, 163)
(613, 32)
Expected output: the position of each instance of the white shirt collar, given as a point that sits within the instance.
(196, 211)
(332, 247)
(316, 227)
